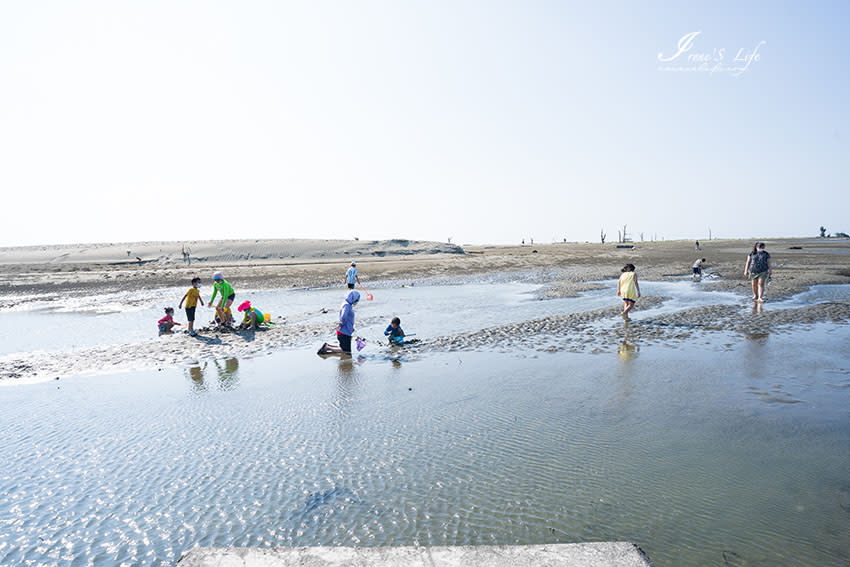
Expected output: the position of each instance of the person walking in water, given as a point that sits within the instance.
(351, 276)
(345, 326)
(758, 270)
(628, 288)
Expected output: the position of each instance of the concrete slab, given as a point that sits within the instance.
(606, 554)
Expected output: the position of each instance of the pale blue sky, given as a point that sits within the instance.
(484, 121)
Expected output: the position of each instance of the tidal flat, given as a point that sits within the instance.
(708, 430)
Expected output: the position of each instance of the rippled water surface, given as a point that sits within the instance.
(736, 455)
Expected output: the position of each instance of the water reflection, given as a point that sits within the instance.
(226, 372)
(627, 349)
(347, 381)
(758, 336)
(196, 375)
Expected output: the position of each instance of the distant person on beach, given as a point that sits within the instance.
(758, 270)
(192, 297)
(253, 317)
(697, 269)
(628, 288)
(167, 323)
(394, 332)
(351, 276)
(222, 310)
(345, 326)
(696, 245)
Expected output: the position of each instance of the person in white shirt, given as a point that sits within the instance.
(697, 269)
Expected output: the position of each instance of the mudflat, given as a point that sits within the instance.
(32, 277)
(272, 264)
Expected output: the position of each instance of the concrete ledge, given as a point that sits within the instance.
(607, 554)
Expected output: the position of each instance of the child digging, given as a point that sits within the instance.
(394, 332)
(253, 316)
(167, 323)
(221, 286)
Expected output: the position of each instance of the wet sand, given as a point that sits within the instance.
(563, 270)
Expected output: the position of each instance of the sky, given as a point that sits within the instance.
(479, 121)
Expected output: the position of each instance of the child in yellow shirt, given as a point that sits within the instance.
(192, 297)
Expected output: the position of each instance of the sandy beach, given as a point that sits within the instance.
(44, 274)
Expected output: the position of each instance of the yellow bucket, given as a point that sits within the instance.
(267, 317)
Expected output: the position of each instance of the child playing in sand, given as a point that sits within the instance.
(697, 269)
(628, 288)
(167, 323)
(222, 310)
(253, 316)
(191, 298)
(394, 332)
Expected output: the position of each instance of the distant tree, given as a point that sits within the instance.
(841, 235)
(602, 235)
(823, 232)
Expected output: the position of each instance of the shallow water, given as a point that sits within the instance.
(128, 318)
(702, 456)
(720, 451)
(124, 318)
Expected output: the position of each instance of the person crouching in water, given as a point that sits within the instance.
(167, 323)
(222, 310)
(253, 316)
(394, 332)
(697, 269)
(345, 327)
(628, 288)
